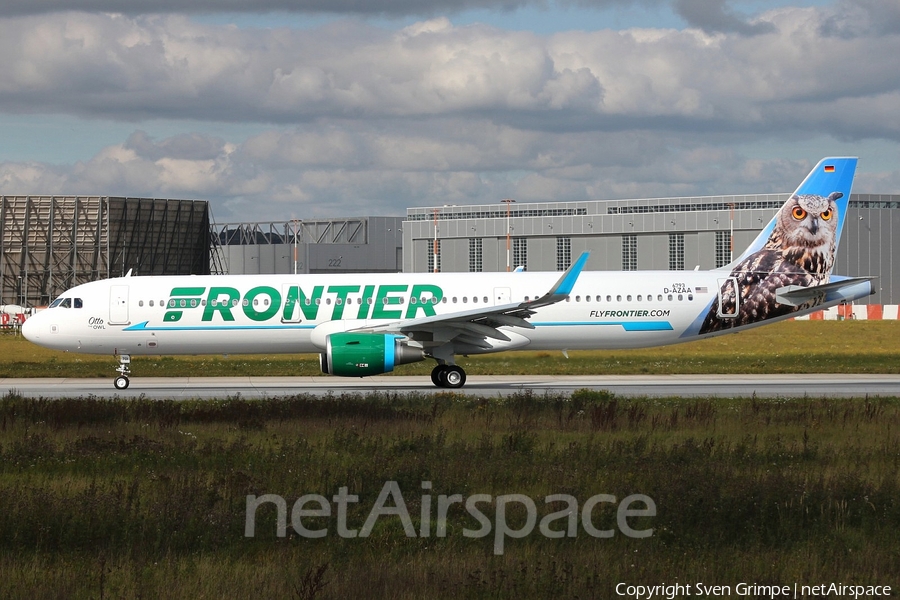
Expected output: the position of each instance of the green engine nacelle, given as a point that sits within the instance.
(361, 354)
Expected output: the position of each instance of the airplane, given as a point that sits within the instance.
(368, 324)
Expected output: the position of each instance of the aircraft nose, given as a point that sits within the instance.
(30, 328)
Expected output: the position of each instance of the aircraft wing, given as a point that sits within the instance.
(473, 326)
(796, 295)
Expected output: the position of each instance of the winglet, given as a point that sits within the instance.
(564, 286)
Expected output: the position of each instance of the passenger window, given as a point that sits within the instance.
(151, 304)
(639, 298)
(140, 302)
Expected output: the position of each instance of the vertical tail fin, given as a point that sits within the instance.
(788, 266)
(832, 178)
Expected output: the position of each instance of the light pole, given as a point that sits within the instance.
(295, 246)
(508, 202)
(434, 249)
(731, 233)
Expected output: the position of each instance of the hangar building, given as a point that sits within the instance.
(51, 243)
(350, 245)
(638, 234)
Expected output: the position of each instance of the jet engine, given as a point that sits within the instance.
(362, 354)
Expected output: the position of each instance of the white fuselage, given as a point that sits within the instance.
(279, 313)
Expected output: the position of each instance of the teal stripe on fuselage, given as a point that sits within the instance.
(627, 325)
(143, 327)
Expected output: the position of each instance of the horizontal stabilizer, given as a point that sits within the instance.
(798, 295)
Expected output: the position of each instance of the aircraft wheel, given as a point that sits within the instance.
(454, 377)
(437, 375)
(121, 382)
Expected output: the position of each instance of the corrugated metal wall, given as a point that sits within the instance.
(51, 243)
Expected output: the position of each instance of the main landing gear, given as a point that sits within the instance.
(124, 369)
(448, 376)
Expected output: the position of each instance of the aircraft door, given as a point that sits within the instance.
(118, 305)
(501, 296)
(729, 300)
(291, 312)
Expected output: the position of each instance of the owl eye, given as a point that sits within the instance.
(798, 213)
(826, 215)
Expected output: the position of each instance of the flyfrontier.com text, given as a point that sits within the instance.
(754, 590)
(391, 503)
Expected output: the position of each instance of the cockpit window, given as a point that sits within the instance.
(67, 303)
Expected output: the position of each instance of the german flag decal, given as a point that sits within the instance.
(829, 168)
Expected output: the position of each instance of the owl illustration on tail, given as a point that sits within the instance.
(799, 252)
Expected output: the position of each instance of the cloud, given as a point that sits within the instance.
(326, 170)
(391, 8)
(359, 119)
(714, 16)
(131, 69)
(853, 18)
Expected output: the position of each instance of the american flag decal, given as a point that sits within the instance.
(701, 290)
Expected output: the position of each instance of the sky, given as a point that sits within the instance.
(282, 109)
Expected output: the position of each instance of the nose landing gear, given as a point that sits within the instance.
(121, 382)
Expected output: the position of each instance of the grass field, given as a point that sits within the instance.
(144, 499)
(789, 347)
